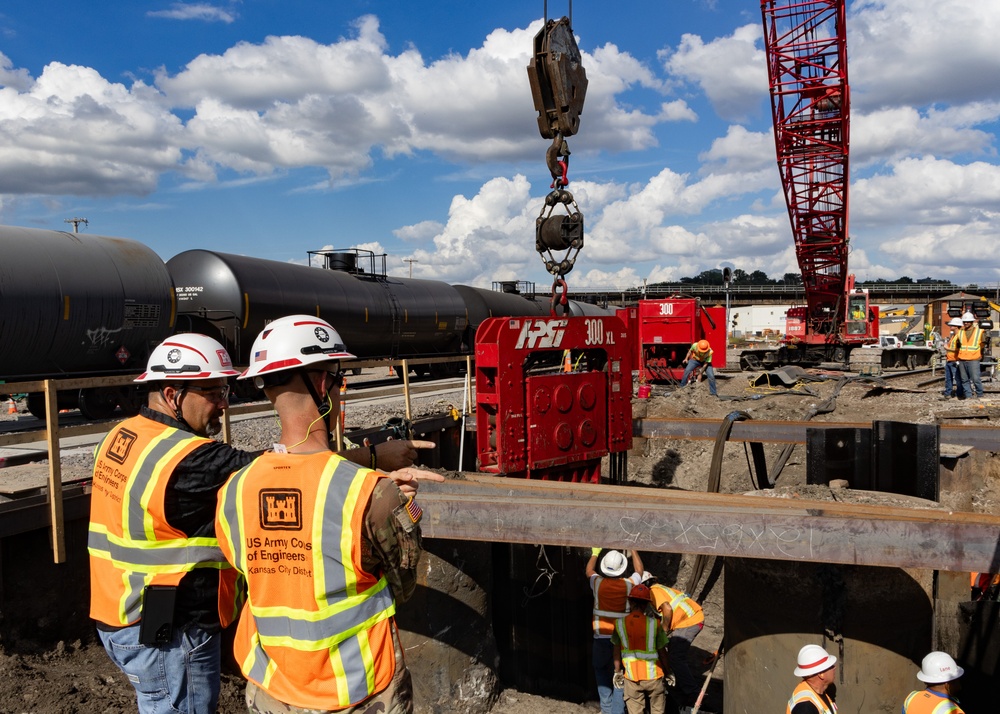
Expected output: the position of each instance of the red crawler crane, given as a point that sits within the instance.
(806, 47)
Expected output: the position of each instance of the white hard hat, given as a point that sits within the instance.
(613, 563)
(939, 667)
(647, 576)
(292, 342)
(188, 356)
(968, 317)
(813, 659)
(955, 322)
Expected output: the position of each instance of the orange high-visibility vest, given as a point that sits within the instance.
(638, 636)
(316, 630)
(970, 348)
(686, 612)
(805, 693)
(951, 351)
(131, 545)
(610, 602)
(923, 702)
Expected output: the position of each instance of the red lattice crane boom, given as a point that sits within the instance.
(806, 47)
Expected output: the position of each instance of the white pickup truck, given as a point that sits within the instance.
(885, 342)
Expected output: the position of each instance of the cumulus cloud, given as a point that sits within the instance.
(731, 70)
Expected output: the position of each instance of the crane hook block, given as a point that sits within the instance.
(558, 79)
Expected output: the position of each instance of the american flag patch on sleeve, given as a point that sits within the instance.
(413, 510)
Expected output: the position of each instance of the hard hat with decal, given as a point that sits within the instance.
(188, 356)
(613, 563)
(293, 342)
(703, 346)
(939, 667)
(968, 317)
(813, 659)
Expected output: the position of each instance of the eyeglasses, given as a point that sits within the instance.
(219, 394)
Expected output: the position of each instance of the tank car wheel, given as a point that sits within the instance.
(36, 405)
(355, 371)
(131, 399)
(98, 403)
(399, 371)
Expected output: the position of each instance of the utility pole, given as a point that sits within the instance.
(76, 223)
(411, 261)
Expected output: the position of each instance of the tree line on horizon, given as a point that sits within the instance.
(759, 277)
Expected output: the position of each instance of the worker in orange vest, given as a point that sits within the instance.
(327, 547)
(952, 377)
(970, 351)
(610, 592)
(940, 672)
(682, 618)
(639, 657)
(699, 357)
(160, 589)
(817, 668)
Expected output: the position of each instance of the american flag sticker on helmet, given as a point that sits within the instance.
(259, 356)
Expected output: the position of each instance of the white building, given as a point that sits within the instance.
(749, 321)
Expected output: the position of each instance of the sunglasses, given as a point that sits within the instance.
(219, 394)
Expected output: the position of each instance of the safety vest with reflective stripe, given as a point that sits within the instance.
(638, 634)
(926, 702)
(316, 630)
(805, 693)
(951, 351)
(610, 602)
(686, 612)
(970, 348)
(131, 545)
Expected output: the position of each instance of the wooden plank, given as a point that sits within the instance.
(55, 474)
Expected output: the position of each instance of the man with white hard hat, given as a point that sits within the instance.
(970, 351)
(817, 668)
(610, 591)
(160, 589)
(952, 378)
(940, 672)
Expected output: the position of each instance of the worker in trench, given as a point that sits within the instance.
(682, 619)
(327, 547)
(161, 591)
(639, 655)
(610, 594)
(814, 694)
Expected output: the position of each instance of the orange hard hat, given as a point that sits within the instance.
(639, 592)
(703, 346)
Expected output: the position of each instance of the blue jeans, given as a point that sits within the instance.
(694, 364)
(612, 700)
(952, 379)
(971, 380)
(182, 676)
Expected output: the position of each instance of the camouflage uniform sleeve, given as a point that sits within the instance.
(392, 542)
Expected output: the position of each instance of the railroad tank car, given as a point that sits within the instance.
(79, 305)
(376, 315)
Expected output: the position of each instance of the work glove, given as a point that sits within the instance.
(618, 680)
(595, 551)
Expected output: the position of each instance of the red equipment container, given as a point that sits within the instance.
(665, 331)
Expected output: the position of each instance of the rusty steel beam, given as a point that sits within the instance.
(517, 511)
(985, 438)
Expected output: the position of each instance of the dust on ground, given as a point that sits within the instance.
(77, 676)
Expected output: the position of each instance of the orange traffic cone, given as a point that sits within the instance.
(12, 407)
(567, 361)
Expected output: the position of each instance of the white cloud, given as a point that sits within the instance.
(730, 70)
(195, 11)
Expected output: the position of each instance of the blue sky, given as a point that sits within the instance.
(272, 128)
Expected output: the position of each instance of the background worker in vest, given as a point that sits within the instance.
(326, 546)
(699, 357)
(817, 668)
(970, 351)
(952, 378)
(682, 619)
(610, 591)
(638, 655)
(161, 591)
(939, 671)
